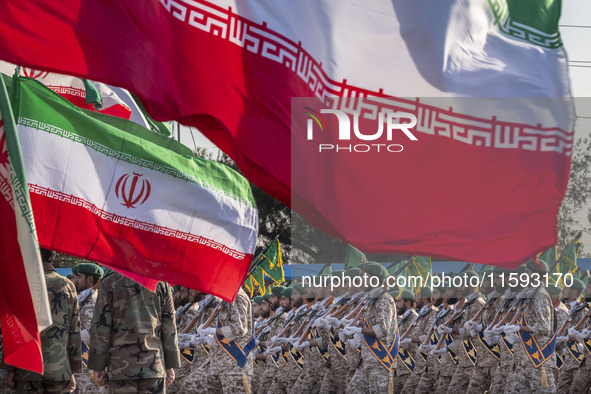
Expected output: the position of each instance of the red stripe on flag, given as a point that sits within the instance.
(75, 230)
(20, 335)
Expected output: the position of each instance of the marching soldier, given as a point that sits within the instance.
(582, 379)
(133, 339)
(561, 312)
(86, 277)
(448, 366)
(405, 307)
(60, 342)
(373, 376)
(235, 328)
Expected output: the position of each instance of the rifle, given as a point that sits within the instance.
(346, 305)
(291, 321)
(571, 315)
(208, 322)
(504, 307)
(414, 323)
(489, 302)
(440, 315)
(200, 313)
(457, 314)
(372, 298)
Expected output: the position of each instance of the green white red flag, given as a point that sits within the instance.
(484, 179)
(24, 306)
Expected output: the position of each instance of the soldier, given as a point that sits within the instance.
(260, 359)
(372, 376)
(256, 307)
(463, 373)
(236, 327)
(561, 312)
(405, 307)
(448, 364)
(60, 342)
(86, 279)
(539, 315)
(133, 336)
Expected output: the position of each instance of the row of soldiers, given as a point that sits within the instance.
(309, 339)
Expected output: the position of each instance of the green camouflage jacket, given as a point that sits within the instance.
(60, 342)
(133, 330)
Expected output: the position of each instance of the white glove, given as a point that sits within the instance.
(256, 342)
(492, 339)
(294, 341)
(443, 350)
(426, 348)
(185, 337)
(85, 336)
(342, 336)
(333, 321)
(318, 323)
(406, 343)
(196, 341)
(206, 331)
(474, 333)
(355, 343)
(488, 332)
(513, 338)
(472, 326)
(561, 339)
(498, 330)
(511, 329)
(576, 334)
(302, 346)
(444, 330)
(184, 344)
(352, 330)
(272, 351)
(346, 322)
(279, 341)
(209, 340)
(586, 333)
(422, 338)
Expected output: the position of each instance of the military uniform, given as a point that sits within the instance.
(270, 368)
(571, 366)
(237, 326)
(525, 378)
(336, 377)
(60, 342)
(183, 372)
(87, 300)
(429, 314)
(561, 315)
(430, 378)
(133, 335)
(401, 373)
(371, 376)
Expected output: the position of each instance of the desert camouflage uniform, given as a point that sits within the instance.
(315, 366)
(60, 342)
(259, 366)
(525, 378)
(421, 328)
(430, 377)
(571, 366)
(238, 326)
(582, 380)
(561, 315)
(336, 377)
(183, 372)
(401, 373)
(270, 369)
(84, 383)
(486, 362)
(133, 334)
(371, 376)
(463, 373)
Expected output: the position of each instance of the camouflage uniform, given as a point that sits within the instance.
(182, 373)
(133, 335)
(561, 315)
(421, 328)
(401, 373)
(238, 324)
(430, 377)
(486, 362)
(270, 369)
(372, 377)
(84, 383)
(463, 373)
(60, 342)
(525, 378)
(315, 367)
(582, 380)
(336, 377)
(571, 366)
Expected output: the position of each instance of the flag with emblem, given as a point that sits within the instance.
(105, 189)
(497, 71)
(24, 305)
(272, 262)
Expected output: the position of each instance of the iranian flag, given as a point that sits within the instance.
(105, 189)
(485, 80)
(24, 306)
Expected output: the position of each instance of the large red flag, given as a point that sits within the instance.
(483, 180)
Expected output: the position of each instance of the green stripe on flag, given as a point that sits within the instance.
(135, 145)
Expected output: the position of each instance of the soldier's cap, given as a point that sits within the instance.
(408, 295)
(267, 296)
(363, 265)
(277, 290)
(352, 272)
(287, 292)
(426, 292)
(501, 270)
(47, 256)
(468, 274)
(578, 284)
(376, 269)
(520, 269)
(89, 269)
(299, 288)
(538, 266)
(258, 300)
(339, 273)
(177, 288)
(551, 289)
(393, 293)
